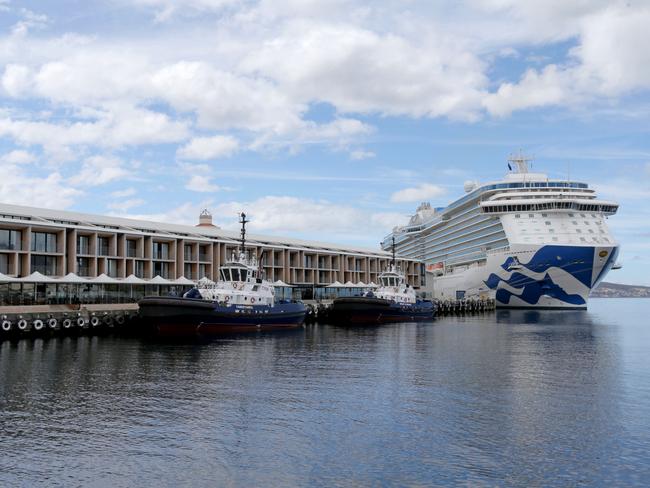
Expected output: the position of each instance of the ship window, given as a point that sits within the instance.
(554, 238)
(225, 274)
(578, 231)
(586, 223)
(582, 215)
(544, 215)
(571, 215)
(595, 239)
(530, 216)
(551, 230)
(575, 222)
(547, 223)
(583, 239)
(591, 231)
(517, 216)
(243, 273)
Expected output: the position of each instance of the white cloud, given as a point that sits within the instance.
(203, 148)
(202, 184)
(422, 192)
(99, 170)
(359, 154)
(606, 63)
(17, 186)
(18, 156)
(126, 204)
(127, 192)
(16, 80)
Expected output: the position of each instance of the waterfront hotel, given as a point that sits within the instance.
(51, 256)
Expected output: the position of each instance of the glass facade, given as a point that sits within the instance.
(111, 268)
(44, 264)
(161, 250)
(83, 266)
(43, 242)
(83, 245)
(161, 269)
(11, 240)
(103, 246)
(74, 293)
(131, 248)
(4, 264)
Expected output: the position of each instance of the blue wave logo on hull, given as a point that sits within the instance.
(534, 289)
(577, 261)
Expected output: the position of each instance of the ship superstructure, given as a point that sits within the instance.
(527, 241)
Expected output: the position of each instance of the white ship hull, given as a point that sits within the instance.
(525, 276)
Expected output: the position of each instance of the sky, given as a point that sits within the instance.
(322, 119)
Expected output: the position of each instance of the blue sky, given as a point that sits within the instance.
(324, 119)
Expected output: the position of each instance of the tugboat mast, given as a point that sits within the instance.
(393, 250)
(243, 222)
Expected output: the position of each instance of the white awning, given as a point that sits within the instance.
(105, 279)
(361, 284)
(73, 278)
(336, 284)
(281, 283)
(349, 284)
(4, 278)
(134, 280)
(159, 280)
(37, 277)
(183, 281)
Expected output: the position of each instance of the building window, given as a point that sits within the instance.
(44, 264)
(83, 245)
(161, 269)
(83, 266)
(203, 253)
(203, 271)
(111, 268)
(10, 240)
(131, 248)
(103, 246)
(188, 252)
(161, 250)
(139, 269)
(43, 242)
(187, 271)
(4, 264)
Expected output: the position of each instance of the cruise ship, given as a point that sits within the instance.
(526, 241)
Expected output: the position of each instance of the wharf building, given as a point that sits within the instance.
(60, 257)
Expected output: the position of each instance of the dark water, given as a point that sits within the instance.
(516, 398)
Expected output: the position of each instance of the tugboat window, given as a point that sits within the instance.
(243, 273)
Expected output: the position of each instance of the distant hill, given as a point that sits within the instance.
(614, 290)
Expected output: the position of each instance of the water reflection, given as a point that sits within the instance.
(520, 398)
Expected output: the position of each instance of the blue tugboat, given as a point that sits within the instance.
(240, 301)
(393, 301)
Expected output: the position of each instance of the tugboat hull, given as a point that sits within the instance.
(187, 316)
(370, 310)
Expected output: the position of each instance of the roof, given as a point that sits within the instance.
(109, 223)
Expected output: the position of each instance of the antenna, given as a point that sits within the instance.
(520, 161)
(243, 222)
(393, 250)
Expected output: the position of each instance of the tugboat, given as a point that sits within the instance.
(393, 301)
(240, 301)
